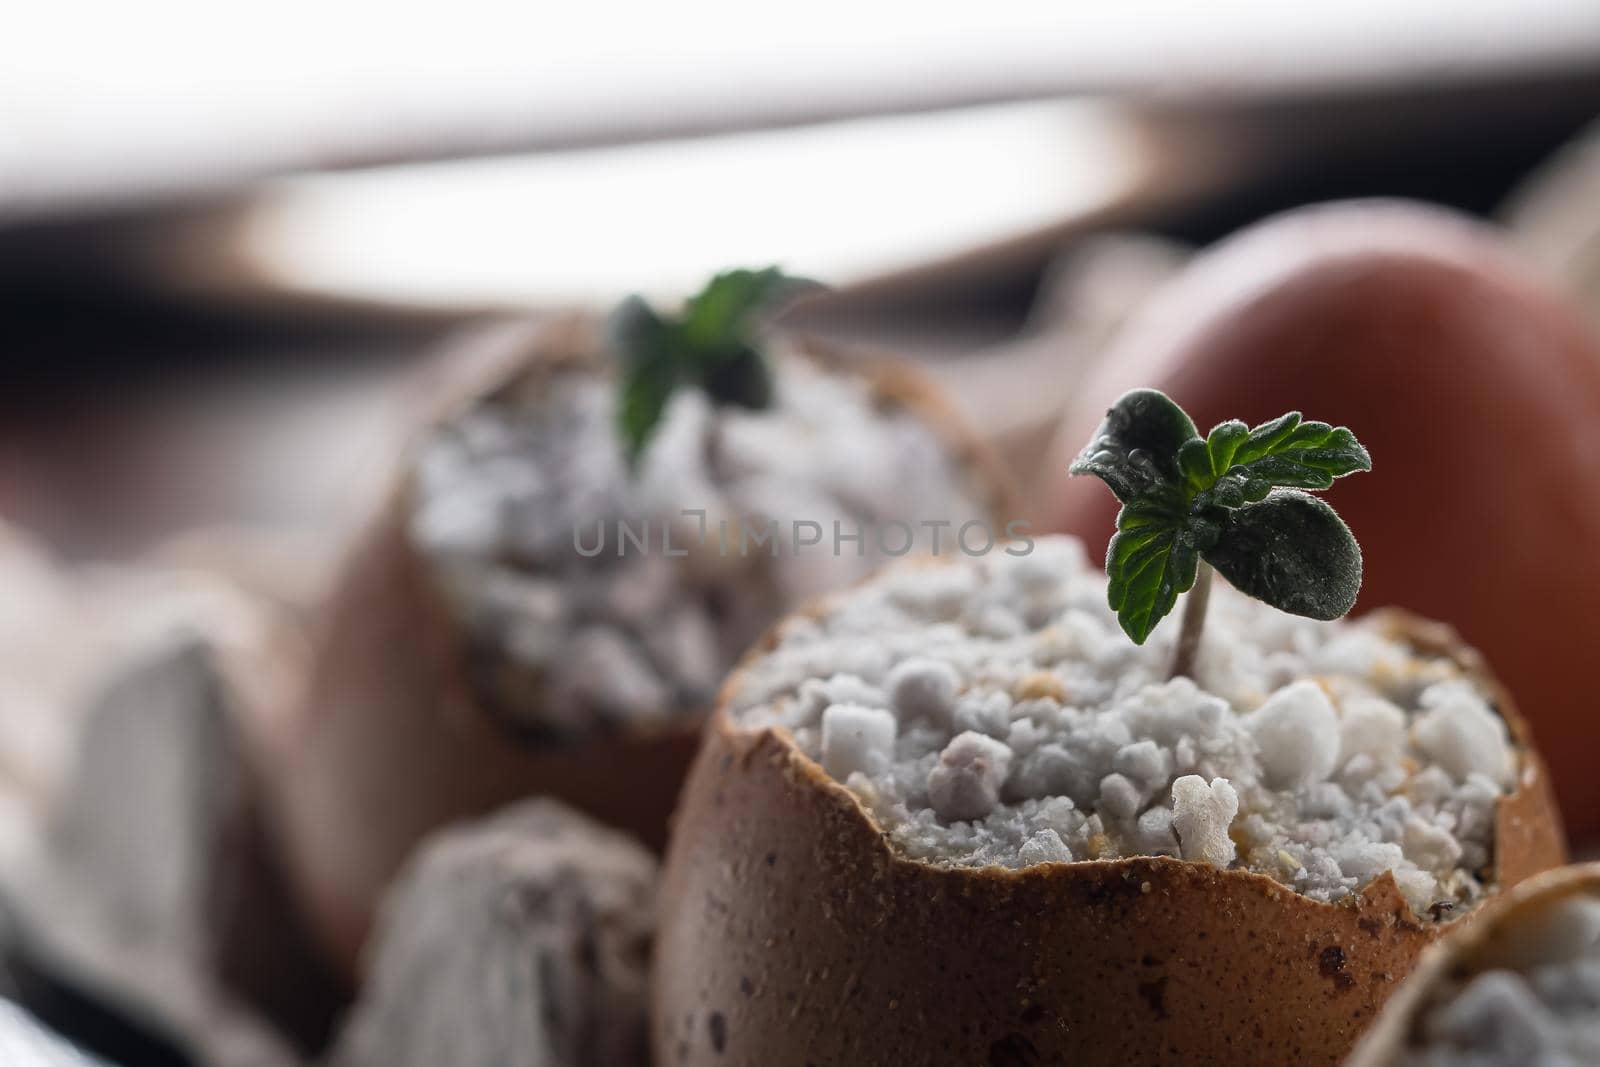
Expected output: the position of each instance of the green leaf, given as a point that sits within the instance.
(1194, 462)
(711, 345)
(717, 321)
(1136, 448)
(1229, 498)
(1223, 444)
(649, 373)
(646, 387)
(1283, 453)
(634, 331)
(1151, 560)
(1292, 551)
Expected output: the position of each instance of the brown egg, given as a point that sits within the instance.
(392, 738)
(1496, 938)
(792, 932)
(1477, 392)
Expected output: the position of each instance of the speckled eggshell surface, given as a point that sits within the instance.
(792, 934)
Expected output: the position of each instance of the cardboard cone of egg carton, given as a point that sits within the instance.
(155, 882)
(413, 717)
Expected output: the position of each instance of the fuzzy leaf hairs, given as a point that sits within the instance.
(711, 344)
(1231, 501)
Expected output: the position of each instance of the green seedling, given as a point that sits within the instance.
(711, 345)
(1230, 501)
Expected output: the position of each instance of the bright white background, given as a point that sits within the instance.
(110, 101)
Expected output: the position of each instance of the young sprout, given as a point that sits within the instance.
(1228, 501)
(711, 344)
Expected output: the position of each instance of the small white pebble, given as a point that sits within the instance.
(616, 679)
(1372, 727)
(1358, 770)
(999, 622)
(1365, 860)
(855, 738)
(462, 521)
(1155, 836)
(1045, 846)
(1201, 815)
(1431, 785)
(1048, 563)
(1460, 733)
(1429, 845)
(1146, 763)
(965, 783)
(1119, 798)
(924, 687)
(1324, 800)
(1045, 771)
(1025, 735)
(983, 713)
(1297, 733)
(1570, 988)
(852, 689)
(1419, 888)
(934, 592)
(689, 642)
(1496, 1013)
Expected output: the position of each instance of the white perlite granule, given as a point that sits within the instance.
(991, 711)
(519, 506)
(1541, 1006)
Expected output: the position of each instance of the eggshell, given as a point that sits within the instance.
(1464, 953)
(791, 933)
(389, 741)
(1474, 387)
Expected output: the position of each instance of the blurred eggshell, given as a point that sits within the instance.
(388, 739)
(1477, 392)
(1554, 219)
(1499, 933)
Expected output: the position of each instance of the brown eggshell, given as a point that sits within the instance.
(389, 741)
(793, 934)
(1474, 387)
(1463, 953)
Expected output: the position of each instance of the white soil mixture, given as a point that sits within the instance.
(510, 496)
(1541, 1006)
(992, 712)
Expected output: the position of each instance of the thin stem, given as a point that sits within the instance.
(711, 445)
(1194, 620)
